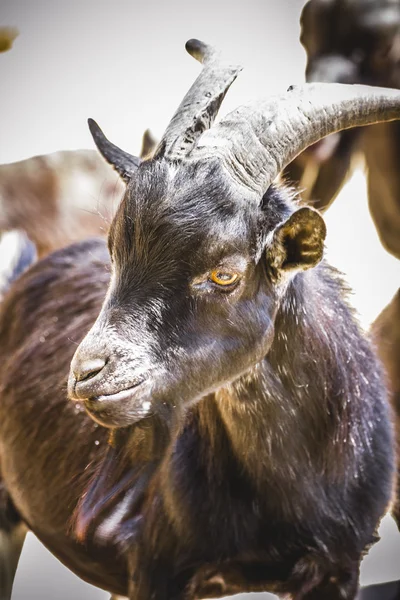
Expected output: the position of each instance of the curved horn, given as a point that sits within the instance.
(125, 164)
(200, 106)
(256, 141)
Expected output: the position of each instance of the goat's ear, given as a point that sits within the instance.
(125, 164)
(296, 244)
(149, 144)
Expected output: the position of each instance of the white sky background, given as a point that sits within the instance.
(124, 64)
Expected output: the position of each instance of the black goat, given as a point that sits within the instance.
(250, 445)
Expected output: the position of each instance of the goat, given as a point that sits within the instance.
(56, 198)
(353, 41)
(62, 197)
(246, 441)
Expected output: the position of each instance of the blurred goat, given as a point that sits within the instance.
(61, 198)
(58, 198)
(354, 41)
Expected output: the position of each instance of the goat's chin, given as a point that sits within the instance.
(118, 410)
(112, 419)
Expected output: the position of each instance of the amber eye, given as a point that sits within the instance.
(223, 278)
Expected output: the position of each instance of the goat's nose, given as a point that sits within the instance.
(89, 368)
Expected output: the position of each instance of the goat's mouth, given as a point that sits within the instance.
(121, 408)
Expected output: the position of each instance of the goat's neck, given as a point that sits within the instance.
(295, 405)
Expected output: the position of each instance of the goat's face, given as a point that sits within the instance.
(192, 298)
(202, 246)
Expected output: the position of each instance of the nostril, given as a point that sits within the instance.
(88, 369)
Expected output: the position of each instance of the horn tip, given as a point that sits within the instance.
(96, 132)
(92, 125)
(199, 50)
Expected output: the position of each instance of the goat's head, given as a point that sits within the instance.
(201, 247)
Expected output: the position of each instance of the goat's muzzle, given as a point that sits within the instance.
(92, 382)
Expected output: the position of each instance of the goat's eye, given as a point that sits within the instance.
(224, 278)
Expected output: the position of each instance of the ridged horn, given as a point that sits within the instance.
(200, 106)
(258, 140)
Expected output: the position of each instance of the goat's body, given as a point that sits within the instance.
(253, 457)
(66, 444)
(253, 494)
(58, 198)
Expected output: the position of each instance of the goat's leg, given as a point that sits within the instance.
(11, 542)
(154, 582)
(12, 536)
(383, 591)
(149, 588)
(339, 587)
(396, 505)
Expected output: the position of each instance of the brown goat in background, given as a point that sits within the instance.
(61, 198)
(354, 41)
(58, 198)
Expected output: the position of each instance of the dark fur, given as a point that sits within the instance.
(358, 42)
(386, 335)
(266, 459)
